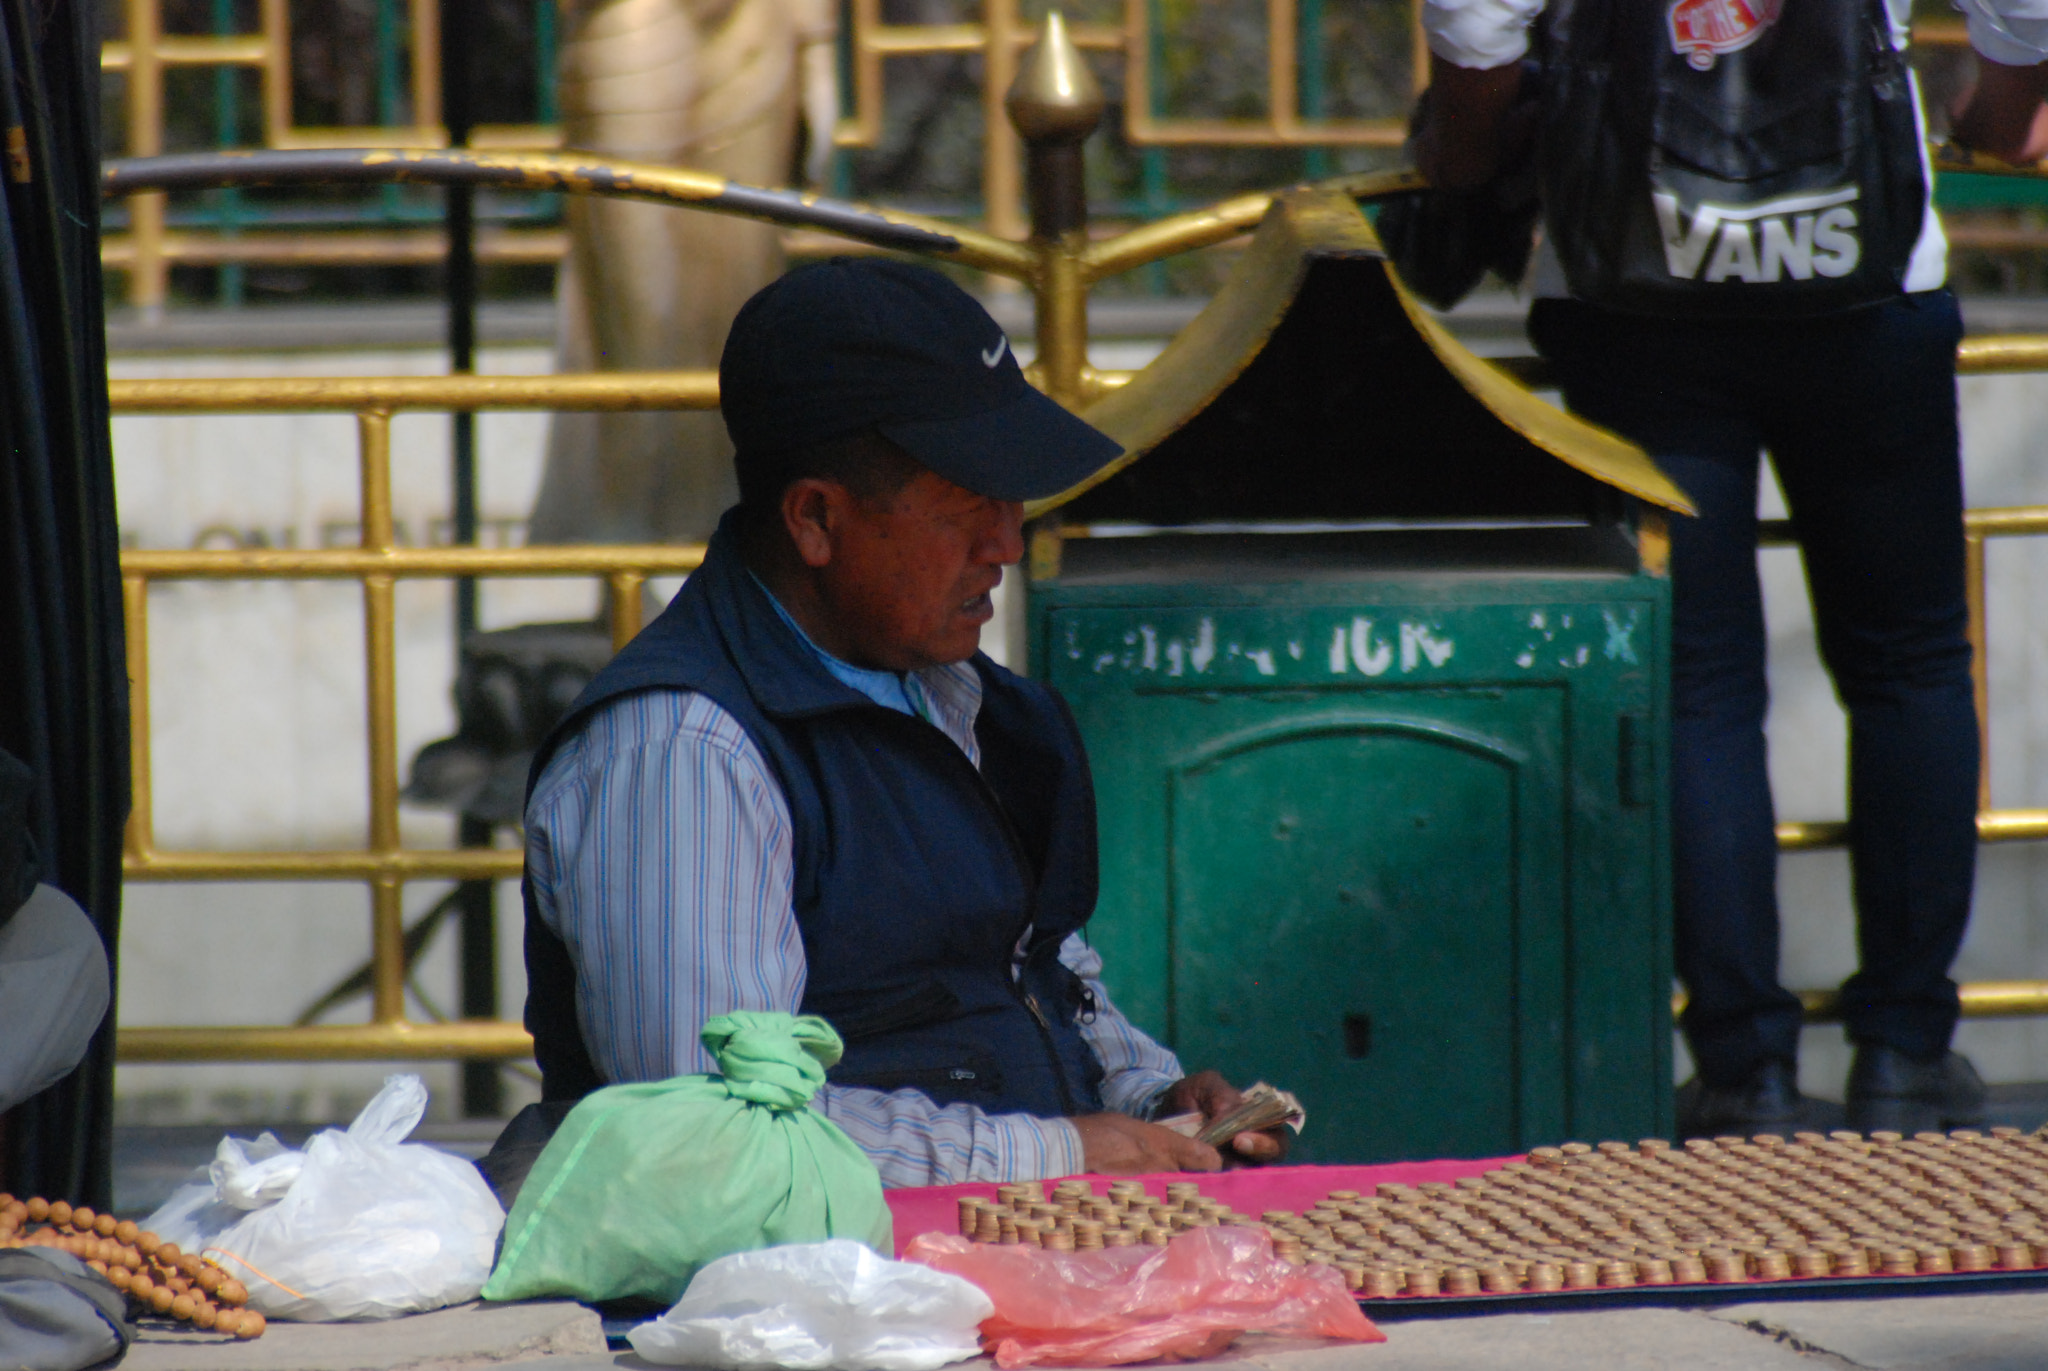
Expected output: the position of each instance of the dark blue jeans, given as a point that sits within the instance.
(1858, 412)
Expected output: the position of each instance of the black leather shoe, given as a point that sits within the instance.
(1767, 1102)
(1890, 1091)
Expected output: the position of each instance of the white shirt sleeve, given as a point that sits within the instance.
(2014, 32)
(1136, 1069)
(1479, 34)
(659, 848)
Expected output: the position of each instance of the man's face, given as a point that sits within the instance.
(906, 578)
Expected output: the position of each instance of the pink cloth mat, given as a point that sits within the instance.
(1250, 1190)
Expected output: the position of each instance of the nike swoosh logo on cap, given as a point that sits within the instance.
(995, 354)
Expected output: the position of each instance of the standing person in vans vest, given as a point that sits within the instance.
(1739, 255)
(803, 788)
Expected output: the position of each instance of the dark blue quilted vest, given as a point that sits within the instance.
(916, 874)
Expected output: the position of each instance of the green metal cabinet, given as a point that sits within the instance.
(1368, 646)
(1390, 843)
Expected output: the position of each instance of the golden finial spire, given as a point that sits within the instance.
(1056, 97)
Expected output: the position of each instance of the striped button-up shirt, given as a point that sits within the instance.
(658, 846)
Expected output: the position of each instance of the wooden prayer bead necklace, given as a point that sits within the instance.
(157, 1278)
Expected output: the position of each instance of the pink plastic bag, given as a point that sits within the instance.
(1191, 1298)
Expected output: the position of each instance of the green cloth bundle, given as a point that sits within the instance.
(643, 1184)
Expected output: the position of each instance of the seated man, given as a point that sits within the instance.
(802, 788)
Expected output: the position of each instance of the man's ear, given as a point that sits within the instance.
(811, 514)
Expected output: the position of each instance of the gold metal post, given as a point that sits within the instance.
(1418, 49)
(1808, 835)
(343, 247)
(178, 50)
(864, 127)
(1232, 218)
(2000, 352)
(426, 67)
(1993, 826)
(2012, 825)
(387, 947)
(148, 278)
(1980, 1000)
(1980, 662)
(472, 1039)
(356, 864)
(387, 891)
(275, 20)
(1000, 183)
(1062, 307)
(625, 587)
(2009, 522)
(1653, 541)
(207, 564)
(140, 834)
(1046, 545)
(1283, 74)
(373, 454)
(606, 391)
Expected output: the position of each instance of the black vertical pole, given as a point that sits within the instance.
(63, 677)
(482, 1087)
(457, 40)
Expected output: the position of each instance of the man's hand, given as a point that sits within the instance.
(1465, 131)
(2002, 113)
(1117, 1144)
(1213, 1096)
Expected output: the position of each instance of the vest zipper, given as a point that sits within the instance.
(1068, 1106)
(1052, 1054)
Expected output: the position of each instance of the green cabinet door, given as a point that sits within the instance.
(1347, 895)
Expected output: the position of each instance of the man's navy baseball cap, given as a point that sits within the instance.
(850, 344)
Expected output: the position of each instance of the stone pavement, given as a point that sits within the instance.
(553, 1334)
(1999, 1332)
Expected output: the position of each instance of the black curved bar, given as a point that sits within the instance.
(523, 171)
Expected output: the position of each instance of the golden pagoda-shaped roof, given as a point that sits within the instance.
(1315, 387)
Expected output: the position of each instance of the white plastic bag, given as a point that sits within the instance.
(360, 1225)
(195, 1211)
(817, 1305)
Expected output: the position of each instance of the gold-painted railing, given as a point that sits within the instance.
(383, 863)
